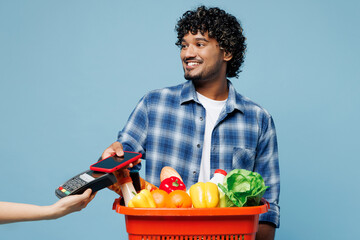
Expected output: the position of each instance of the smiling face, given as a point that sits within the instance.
(202, 58)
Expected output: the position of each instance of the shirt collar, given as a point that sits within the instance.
(234, 101)
(188, 93)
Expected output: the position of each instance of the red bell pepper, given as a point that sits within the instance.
(171, 184)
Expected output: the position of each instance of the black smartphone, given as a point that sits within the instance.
(114, 163)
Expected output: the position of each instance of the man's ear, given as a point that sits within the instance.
(227, 56)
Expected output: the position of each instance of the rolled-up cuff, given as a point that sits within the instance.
(273, 215)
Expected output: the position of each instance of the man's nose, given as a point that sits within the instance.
(190, 52)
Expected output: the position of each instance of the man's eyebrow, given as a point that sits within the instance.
(202, 39)
(197, 39)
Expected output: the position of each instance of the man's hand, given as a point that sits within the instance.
(117, 149)
(265, 232)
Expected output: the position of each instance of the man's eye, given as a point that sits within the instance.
(183, 46)
(200, 44)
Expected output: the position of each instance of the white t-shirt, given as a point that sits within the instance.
(213, 109)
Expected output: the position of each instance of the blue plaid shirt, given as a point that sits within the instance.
(167, 127)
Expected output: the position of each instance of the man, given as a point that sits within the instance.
(204, 124)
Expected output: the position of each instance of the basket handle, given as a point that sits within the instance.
(116, 203)
(265, 202)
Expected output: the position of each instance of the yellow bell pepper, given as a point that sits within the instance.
(143, 199)
(204, 195)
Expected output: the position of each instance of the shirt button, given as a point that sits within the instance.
(201, 118)
(198, 145)
(194, 172)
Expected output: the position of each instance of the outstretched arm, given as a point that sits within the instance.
(17, 212)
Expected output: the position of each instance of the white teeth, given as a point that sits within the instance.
(192, 64)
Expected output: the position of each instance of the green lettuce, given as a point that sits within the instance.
(242, 188)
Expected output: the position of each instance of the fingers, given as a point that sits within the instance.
(107, 153)
(137, 162)
(115, 149)
(92, 196)
(87, 193)
(118, 148)
(133, 163)
(88, 197)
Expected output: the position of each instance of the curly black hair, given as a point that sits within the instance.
(224, 27)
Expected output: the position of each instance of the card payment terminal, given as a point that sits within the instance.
(88, 179)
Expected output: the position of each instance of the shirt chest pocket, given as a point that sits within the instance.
(243, 158)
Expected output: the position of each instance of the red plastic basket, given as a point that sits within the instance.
(192, 223)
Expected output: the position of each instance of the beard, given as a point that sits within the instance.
(201, 76)
(206, 73)
(190, 77)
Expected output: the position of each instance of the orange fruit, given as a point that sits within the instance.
(179, 199)
(161, 198)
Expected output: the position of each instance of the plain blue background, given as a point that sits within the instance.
(72, 71)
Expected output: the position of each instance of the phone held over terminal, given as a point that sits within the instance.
(114, 163)
(98, 177)
(88, 179)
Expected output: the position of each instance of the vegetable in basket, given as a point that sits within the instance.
(161, 198)
(143, 199)
(179, 199)
(242, 188)
(204, 195)
(171, 184)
